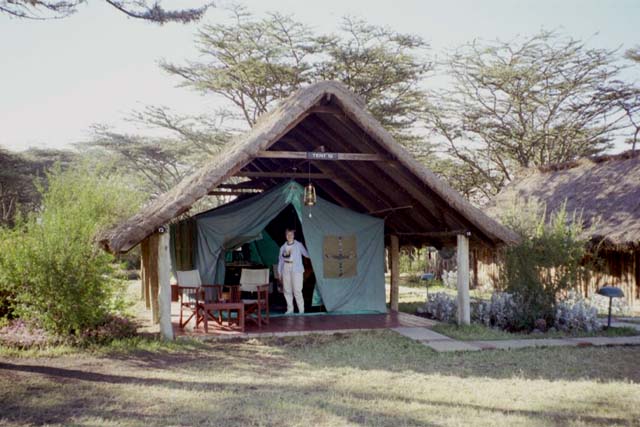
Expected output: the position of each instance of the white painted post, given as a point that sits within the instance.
(164, 286)
(394, 251)
(464, 306)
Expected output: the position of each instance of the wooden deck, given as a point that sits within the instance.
(299, 325)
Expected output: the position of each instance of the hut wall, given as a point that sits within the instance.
(487, 264)
(617, 268)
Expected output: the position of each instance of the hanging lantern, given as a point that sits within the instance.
(309, 195)
(309, 192)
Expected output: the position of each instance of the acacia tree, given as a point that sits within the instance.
(253, 62)
(633, 54)
(541, 100)
(159, 162)
(139, 9)
(20, 175)
(630, 100)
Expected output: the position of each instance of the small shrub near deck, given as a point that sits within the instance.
(440, 306)
(573, 314)
(51, 270)
(501, 311)
(112, 328)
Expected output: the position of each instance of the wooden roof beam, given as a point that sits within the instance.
(338, 194)
(352, 191)
(320, 155)
(292, 175)
(232, 192)
(431, 204)
(302, 137)
(434, 200)
(366, 179)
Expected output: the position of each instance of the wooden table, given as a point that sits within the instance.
(223, 306)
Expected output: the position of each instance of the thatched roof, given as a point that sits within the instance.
(606, 190)
(417, 204)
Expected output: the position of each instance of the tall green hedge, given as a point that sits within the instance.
(549, 260)
(51, 269)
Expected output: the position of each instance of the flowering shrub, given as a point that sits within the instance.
(20, 334)
(499, 312)
(114, 327)
(503, 311)
(440, 306)
(576, 314)
(619, 306)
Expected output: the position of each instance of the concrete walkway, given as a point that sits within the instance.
(434, 340)
(442, 343)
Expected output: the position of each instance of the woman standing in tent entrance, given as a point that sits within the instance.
(291, 270)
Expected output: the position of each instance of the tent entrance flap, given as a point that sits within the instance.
(346, 248)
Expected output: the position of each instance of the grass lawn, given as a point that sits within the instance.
(476, 332)
(373, 378)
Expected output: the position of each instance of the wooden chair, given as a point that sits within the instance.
(190, 293)
(256, 281)
(253, 308)
(188, 297)
(250, 279)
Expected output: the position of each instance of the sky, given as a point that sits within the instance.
(60, 77)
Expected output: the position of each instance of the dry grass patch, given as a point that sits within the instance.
(375, 378)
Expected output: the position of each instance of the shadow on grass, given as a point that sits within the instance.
(384, 351)
(124, 386)
(388, 351)
(67, 408)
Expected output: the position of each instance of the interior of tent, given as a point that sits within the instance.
(345, 269)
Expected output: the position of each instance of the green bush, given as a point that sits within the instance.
(412, 260)
(548, 261)
(50, 265)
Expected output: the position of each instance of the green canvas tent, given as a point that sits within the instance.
(346, 247)
(324, 130)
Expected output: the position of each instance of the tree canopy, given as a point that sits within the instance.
(253, 62)
(529, 102)
(138, 9)
(159, 163)
(20, 176)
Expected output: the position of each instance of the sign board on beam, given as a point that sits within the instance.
(312, 155)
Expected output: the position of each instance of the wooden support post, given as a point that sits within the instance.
(476, 280)
(395, 271)
(145, 272)
(164, 286)
(464, 306)
(142, 280)
(154, 240)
